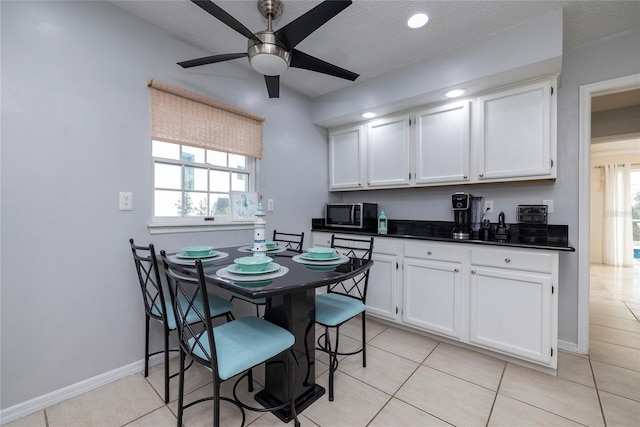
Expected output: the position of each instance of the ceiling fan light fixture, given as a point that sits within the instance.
(268, 58)
(418, 20)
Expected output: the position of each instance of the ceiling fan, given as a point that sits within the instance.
(272, 52)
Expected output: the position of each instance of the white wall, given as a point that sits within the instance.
(75, 132)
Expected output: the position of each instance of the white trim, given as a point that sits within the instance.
(39, 403)
(173, 227)
(568, 346)
(586, 92)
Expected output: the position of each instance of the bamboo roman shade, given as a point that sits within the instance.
(185, 117)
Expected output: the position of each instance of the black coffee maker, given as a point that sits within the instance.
(461, 203)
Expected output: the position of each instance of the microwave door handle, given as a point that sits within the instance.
(353, 214)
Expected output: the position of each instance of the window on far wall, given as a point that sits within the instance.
(197, 182)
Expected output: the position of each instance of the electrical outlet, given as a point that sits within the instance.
(270, 205)
(126, 201)
(549, 204)
(488, 206)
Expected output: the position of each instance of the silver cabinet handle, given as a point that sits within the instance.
(473, 272)
(456, 270)
(481, 175)
(429, 253)
(507, 260)
(464, 176)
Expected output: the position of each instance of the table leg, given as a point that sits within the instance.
(292, 312)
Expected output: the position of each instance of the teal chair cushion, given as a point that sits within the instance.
(243, 344)
(334, 309)
(217, 306)
(259, 301)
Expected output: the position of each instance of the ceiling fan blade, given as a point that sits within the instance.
(302, 60)
(273, 86)
(217, 12)
(297, 30)
(211, 59)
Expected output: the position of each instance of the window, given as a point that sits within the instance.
(197, 182)
(635, 212)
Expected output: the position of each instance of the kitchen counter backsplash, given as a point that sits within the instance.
(549, 236)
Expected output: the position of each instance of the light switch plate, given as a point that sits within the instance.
(270, 205)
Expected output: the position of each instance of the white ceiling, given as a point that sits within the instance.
(370, 37)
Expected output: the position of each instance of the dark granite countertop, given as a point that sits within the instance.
(549, 237)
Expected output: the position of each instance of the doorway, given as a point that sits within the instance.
(587, 93)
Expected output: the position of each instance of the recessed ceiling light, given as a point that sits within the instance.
(418, 20)
(454, 93)
(368, 115)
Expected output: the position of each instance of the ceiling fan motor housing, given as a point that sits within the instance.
(271, 8)
(269, 57)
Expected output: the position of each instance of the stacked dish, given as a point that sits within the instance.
(253, 265)
(197, 252)
(319, 255)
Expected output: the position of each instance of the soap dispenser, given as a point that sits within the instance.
(382, 223)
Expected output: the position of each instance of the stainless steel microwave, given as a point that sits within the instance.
(360, 216)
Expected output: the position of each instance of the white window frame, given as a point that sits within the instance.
(166, 225)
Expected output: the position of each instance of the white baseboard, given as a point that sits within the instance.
(568, 346)
(29, 407)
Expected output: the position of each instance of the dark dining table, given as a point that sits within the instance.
(290, 301)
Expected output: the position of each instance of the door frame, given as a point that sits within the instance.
(620, 84)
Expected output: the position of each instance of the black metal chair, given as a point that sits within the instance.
(227, 350)
(158, 308)
(288, 241)
(342, 302)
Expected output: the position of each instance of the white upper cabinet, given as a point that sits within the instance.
(388, 152)
(516, 135)
(346, 156)
(506, 135)
(442, 144)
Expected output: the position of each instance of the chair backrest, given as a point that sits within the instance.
(146, 264)
(189, 299)
(360, 249)
(290, 240)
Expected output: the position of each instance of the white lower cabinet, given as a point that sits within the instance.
(503, 300)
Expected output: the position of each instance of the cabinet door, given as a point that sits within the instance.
(432, 296)
(388, 152)
(381, 292)
(442, 144)
(345, 159)
(512, 312)
(516, 133)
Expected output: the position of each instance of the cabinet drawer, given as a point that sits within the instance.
(383, 245)
(515, 260)
(434, 252)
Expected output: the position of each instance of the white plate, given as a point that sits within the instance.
(341, 260)
(314, 258)
(209, 255)
(271, 267)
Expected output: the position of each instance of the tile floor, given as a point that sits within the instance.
(412, 380)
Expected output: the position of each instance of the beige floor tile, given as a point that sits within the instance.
(162, 417)
(446, 397)
(113, 404)
(270, 420)
(509, 412)
(615, 322)
(609, 309)
(575, 368)
(353, 328)
(384, 371)
(565, 398)
(615, 336)
(195, 377)
(398, 413)
(355, 403)
(616, 380)
(34, 420)
(619, 411)
(613, 354)
(407, 344)
(469, 365)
